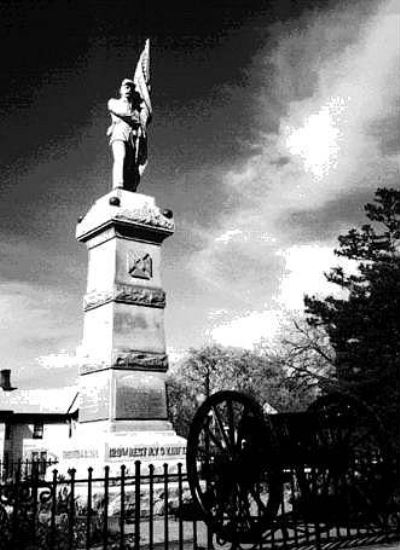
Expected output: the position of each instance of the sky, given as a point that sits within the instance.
(273, 124)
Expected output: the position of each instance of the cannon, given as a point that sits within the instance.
(239, 461)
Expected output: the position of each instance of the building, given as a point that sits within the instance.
(35, 423)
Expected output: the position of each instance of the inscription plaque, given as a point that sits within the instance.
(94, 398)
(140, 397)
(150, 452)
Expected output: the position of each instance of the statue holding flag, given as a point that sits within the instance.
(130, 116)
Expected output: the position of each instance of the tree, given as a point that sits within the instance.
(363, 325)
(214, 368)
(308, 355)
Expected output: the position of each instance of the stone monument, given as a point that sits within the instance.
(123, 402)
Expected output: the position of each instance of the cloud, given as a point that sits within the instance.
(245, 331)
(325, 135)
(303, 273)
(228, 235)
(217, 313)
(33, 323)
(318, 141)
(60, 360)
(329, 133)
(305, 266)
(335, 80)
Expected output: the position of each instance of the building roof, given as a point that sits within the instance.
(39, 401)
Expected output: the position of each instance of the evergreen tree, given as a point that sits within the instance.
(363, 324)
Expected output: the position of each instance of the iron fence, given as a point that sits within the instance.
(149, 510)
(25, 468)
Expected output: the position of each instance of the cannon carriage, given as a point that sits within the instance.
(335, 457)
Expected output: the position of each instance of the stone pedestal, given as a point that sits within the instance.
(123, 404)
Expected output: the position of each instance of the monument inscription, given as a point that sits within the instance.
(149, 452)
(140, 397)
(94, 399)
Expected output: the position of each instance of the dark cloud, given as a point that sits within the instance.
(387, 130)
(281, 161)
(324, 224)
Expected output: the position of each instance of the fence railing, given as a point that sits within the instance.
(144, 509)
(25, 468)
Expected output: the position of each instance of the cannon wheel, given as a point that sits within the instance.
(232, 467)
(352, 476)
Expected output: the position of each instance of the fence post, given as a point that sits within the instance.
(315, 491)
(122, 516)
(180, 501)
(89, 508)
(166, 532)
(53, 510)
(71, 511)
(16, 482)
(151, 505)
(35, 482)
(106, 498)
(137, 505)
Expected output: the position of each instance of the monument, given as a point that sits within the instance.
(123, 402)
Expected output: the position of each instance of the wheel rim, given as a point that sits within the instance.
(231, 464)
(353, 461)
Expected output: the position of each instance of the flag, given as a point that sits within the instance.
(142, 83)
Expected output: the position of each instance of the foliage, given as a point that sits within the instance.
(363, 325)
(307, 353)
(214, 368)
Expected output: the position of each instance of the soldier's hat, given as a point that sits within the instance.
(128, 81)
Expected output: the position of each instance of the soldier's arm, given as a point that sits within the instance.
(132, 120)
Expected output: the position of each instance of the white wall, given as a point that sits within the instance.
(22, 443)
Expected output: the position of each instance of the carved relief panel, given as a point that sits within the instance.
(140, 266)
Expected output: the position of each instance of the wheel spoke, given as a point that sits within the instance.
(213, 437)
(230, 504)
(221, 427)
(244, 508)
(245, 412)
(219, 513)
(257, 498)
(231, 423)
(241, 423)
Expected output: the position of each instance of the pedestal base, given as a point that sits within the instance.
(123, 402)
(94, 448)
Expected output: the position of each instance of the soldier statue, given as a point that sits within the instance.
(130, 115)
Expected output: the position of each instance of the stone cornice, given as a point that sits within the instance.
(145, 215)
(129, 360)
(140, 360)
(132, 214)
(127, 294)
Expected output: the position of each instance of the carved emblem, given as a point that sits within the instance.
(140, 267)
